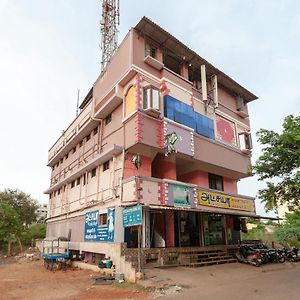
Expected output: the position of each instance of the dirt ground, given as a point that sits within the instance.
(25, 279)
(231, 281)
(29, 280)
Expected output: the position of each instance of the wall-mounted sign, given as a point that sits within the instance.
(99, 233)
(132, 216)
(224, 201)
(180, 195)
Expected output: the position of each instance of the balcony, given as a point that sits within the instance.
(170, 194)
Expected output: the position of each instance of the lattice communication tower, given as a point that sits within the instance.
(109, 31)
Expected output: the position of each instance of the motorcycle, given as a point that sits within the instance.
(292, 254)
(248, 255)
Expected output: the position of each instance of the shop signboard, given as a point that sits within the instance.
(181, 195)
(99, 233)
(224, 201)
(132, 216)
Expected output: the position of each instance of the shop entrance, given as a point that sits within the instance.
(187, 229)
(214, 230)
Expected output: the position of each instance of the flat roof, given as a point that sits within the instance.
(166, 40)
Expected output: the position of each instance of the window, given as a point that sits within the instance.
(88, 137)
(215, 182)
(103, 219)
(80, 144)
(61, 161)
(67, 155)
(74, 150)
(84, 179)
(95, 131)
(245, 141)
(93, 173)
(151, 98)
(108, 119)
(72, 184)
(53, 168)
(172, 61)
(106, 166)
(58, 192)
(150, 50)
(78, 181)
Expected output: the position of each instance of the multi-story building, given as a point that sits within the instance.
(160, 143)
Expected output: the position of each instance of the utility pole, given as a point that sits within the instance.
(109, 32)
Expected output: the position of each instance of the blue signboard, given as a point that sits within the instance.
(96, 233)
(132, 216)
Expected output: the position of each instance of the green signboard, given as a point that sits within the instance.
(132, 216)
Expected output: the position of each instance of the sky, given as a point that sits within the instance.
(50, 48)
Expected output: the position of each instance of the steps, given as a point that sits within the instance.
(205, 258)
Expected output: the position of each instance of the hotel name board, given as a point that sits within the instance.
(224, 201)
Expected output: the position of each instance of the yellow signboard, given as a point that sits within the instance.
(224, 201)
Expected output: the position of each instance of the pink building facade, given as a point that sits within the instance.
(161, 131)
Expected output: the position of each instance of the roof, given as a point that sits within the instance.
(166, 40)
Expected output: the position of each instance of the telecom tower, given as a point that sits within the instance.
(109, 32)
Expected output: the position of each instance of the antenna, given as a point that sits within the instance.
(109, 32)
(77, 106)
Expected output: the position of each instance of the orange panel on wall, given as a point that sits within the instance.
(130, 101)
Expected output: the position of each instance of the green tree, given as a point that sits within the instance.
(24, 205)
(280, 163)
(36, 231)
(10, 226)
(289, 232)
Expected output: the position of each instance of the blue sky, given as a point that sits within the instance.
(50, 48)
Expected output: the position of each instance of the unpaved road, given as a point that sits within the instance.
(234, 281)
(29, 280)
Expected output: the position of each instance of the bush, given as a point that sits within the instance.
(36, 231)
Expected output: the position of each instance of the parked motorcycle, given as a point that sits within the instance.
(291, 254)
(248, 255)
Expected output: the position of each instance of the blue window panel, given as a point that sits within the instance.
(184, 114)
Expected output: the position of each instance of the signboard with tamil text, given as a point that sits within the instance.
(224, 201)
(94, 232)
(132, 216)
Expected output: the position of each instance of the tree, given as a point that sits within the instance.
(24, 205)
(10, 226)
(289, 232)
(280, 162)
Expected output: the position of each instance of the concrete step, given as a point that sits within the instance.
(212, 262)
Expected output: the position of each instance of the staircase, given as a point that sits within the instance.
(205, 258)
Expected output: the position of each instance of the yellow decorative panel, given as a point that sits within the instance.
(130, 101)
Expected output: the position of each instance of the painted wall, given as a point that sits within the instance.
(195, 177)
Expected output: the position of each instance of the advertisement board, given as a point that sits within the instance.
(99, 233)
(224, 201)
(132, 216)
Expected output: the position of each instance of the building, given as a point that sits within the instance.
(41, 213)
(155, 154)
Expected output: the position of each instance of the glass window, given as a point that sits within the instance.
(103, 219)
(151, 98)
(155, 99)
(93, 173)
(106, 166)
(215, 182)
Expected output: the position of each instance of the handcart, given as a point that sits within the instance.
(56, 254)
